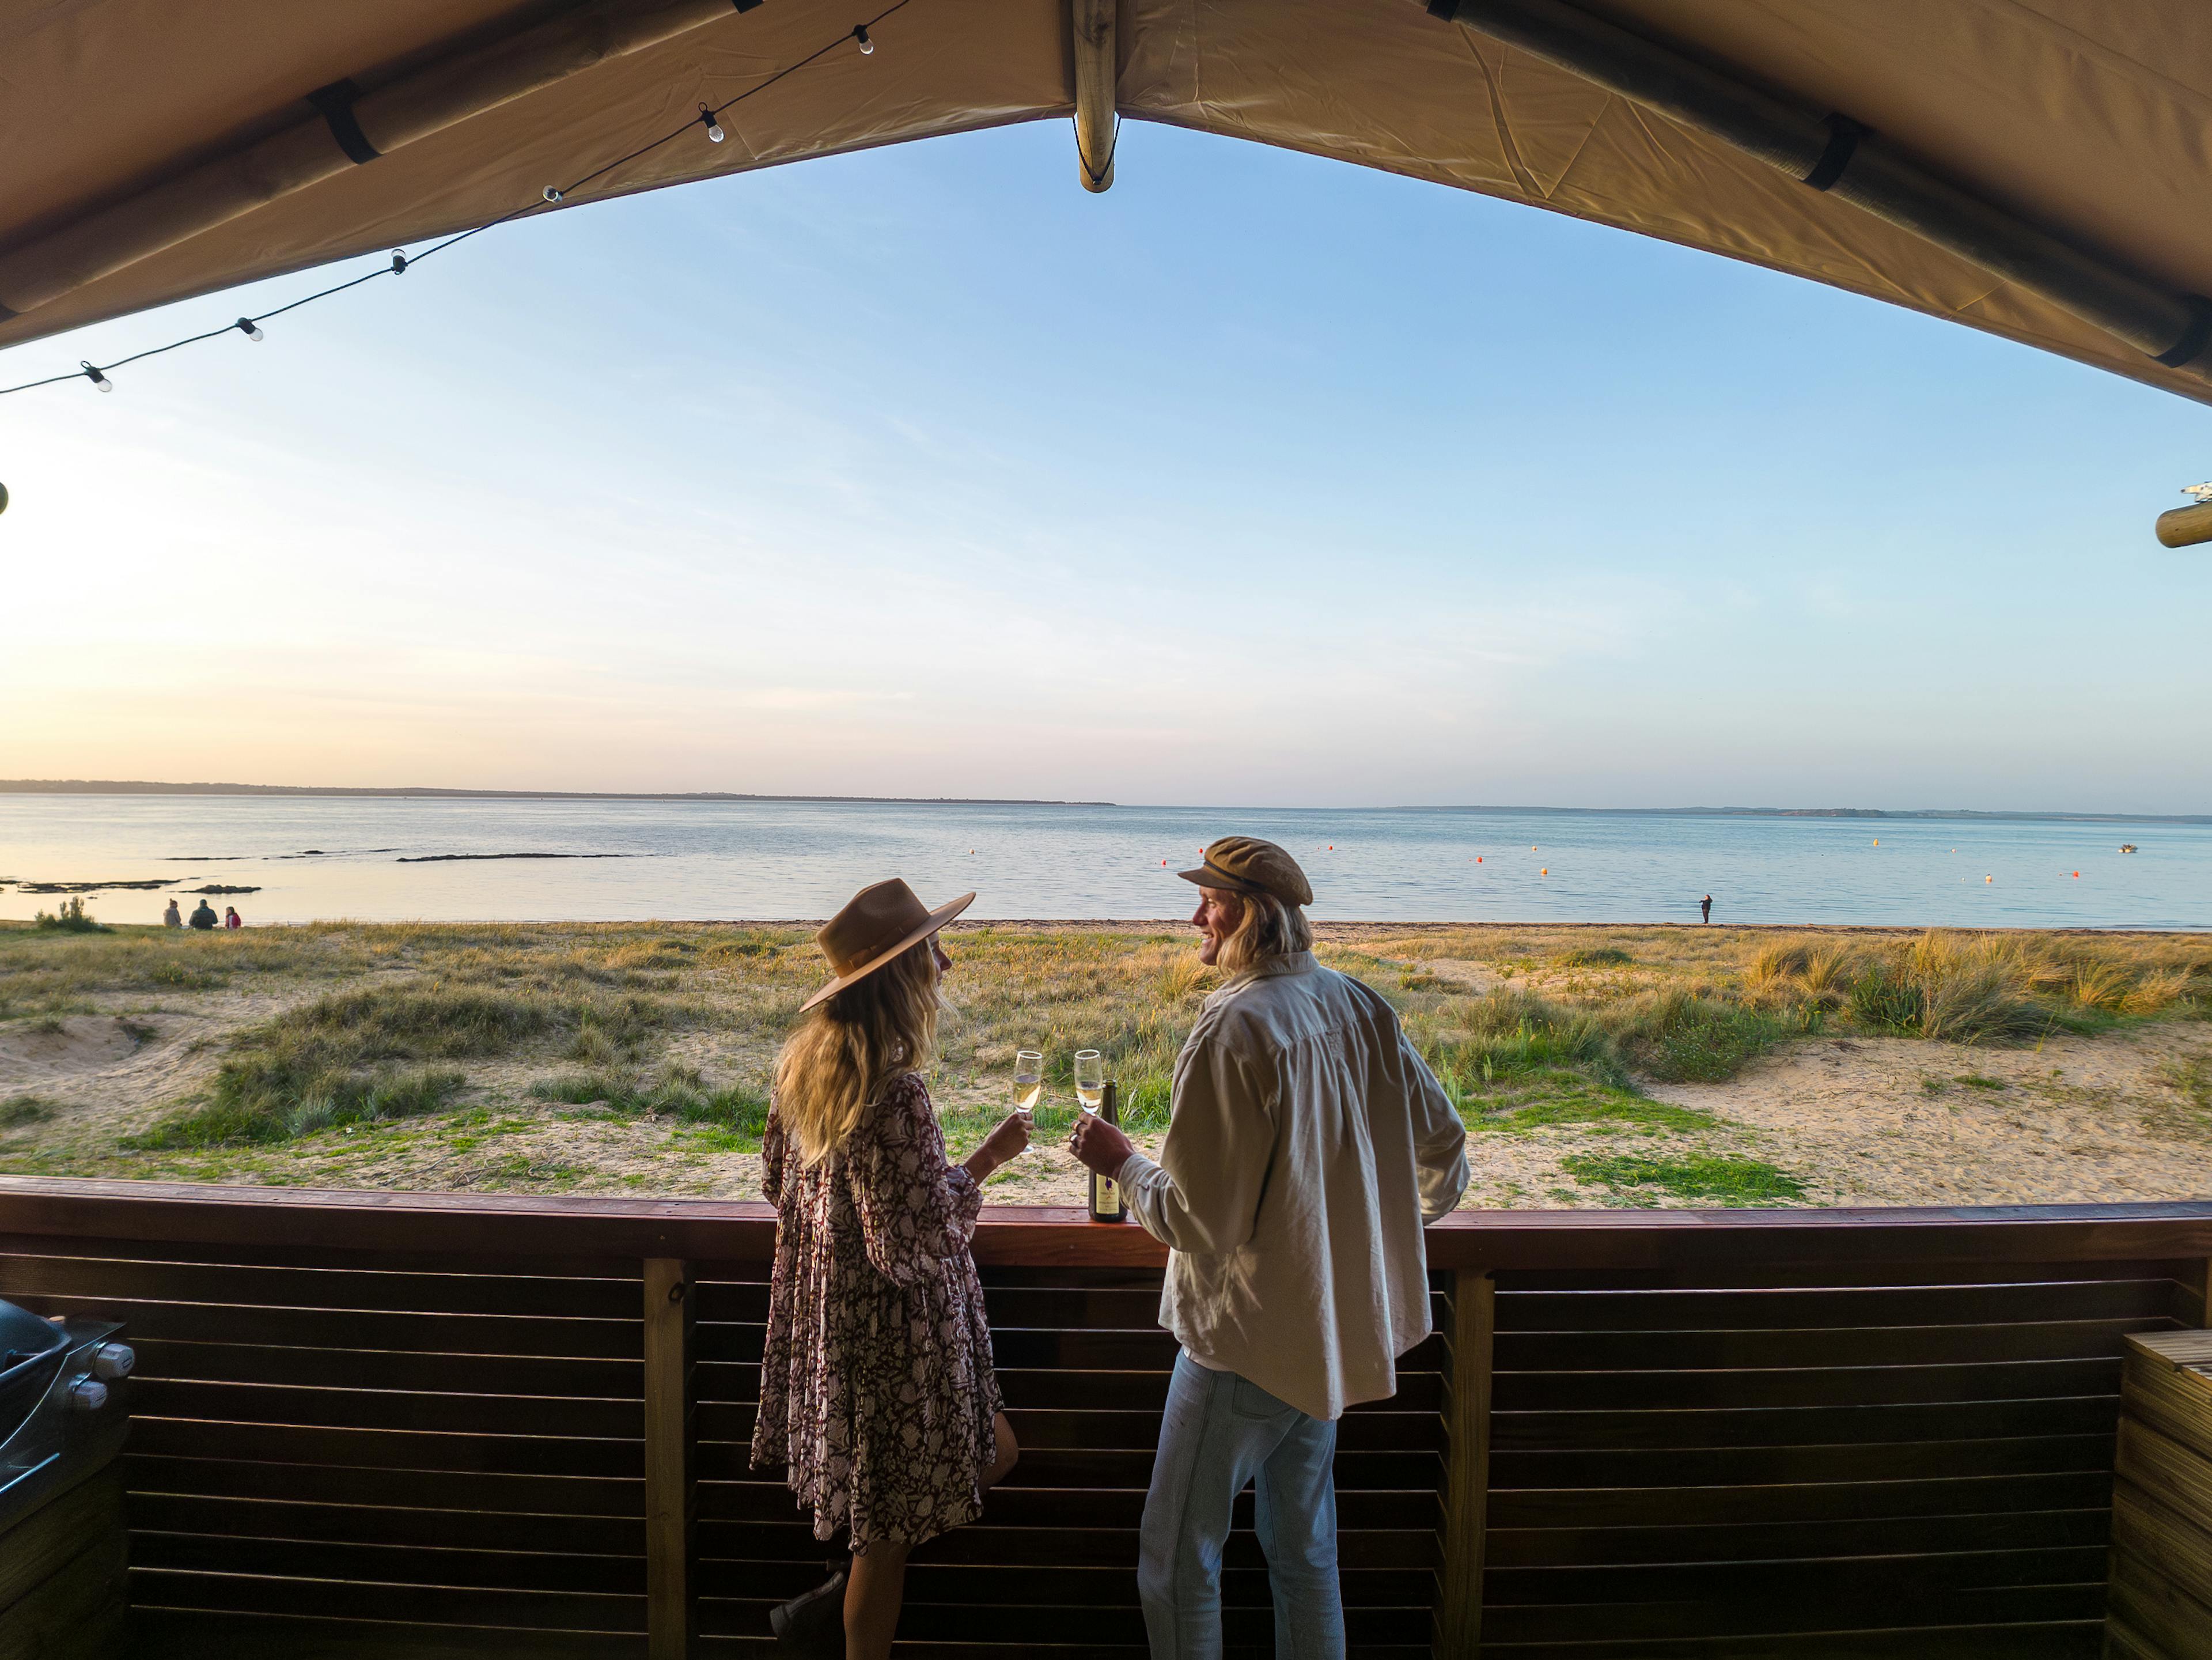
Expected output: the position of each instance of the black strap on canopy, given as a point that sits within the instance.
(1843, 136)
(336, 103)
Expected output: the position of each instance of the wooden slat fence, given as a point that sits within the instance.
(437, 1426)
(1084, 1367)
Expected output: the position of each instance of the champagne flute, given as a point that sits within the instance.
(1029, 1082)
(1090, 1079)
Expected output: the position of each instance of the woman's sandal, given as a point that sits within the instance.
(814, 1623)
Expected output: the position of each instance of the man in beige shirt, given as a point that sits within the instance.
(1308, 1146)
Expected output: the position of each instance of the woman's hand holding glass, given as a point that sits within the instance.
(1002, 1146)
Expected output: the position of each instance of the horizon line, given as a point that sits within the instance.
(421, 791)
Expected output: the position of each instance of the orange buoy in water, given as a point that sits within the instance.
(1477, 859)
(1546, 871)
(1877, 840)
(2077, 875)
(1989, 879)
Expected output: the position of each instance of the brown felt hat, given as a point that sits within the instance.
(877, 924)
(1245, 864)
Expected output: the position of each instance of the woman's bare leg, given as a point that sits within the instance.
(872, 1597)
(1008, 1451)
(877, 1587)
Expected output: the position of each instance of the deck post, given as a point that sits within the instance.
(2193, 1304)
(670, 1606)
(1467, 1472)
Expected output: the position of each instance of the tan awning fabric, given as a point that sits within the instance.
(2089, 119)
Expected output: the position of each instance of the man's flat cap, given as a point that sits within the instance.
(1245, 864)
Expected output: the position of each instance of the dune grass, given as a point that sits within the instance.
(1530, 1028)
(343, 1059)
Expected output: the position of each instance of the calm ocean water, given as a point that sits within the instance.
(790, 859)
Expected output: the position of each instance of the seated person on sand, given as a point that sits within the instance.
(231, 919)
(204, 917)
(173, 918)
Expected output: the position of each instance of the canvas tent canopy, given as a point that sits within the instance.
(2035, 168)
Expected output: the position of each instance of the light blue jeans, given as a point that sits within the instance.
(1221, 1431)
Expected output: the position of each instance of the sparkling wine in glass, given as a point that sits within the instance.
(1090, 1079)
(1029, 1081)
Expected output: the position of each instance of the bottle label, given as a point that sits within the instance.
(1109, 1197)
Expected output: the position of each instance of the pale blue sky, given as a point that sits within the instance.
(1259, 480)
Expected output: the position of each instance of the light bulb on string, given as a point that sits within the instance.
(552, 193)
(250, 329)
(96, 376)
(861, 34)
(714, 133)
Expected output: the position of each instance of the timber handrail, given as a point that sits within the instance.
(715, 1229)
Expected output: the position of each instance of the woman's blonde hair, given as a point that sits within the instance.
(1268, 929)
(849, 1047)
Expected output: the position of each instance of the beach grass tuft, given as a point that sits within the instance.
(1679, 1038)
(68, 917)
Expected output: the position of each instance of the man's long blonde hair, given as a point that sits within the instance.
(848, 1048)
(1267, 929)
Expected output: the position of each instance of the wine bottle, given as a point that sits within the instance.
(1106, 1204)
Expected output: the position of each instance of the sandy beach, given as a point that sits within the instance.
(1595, 1065)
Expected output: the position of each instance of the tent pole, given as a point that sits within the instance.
(1094, 85)
(352, 128)
(1834, 154)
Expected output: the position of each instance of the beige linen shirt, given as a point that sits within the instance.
(1308, 1146)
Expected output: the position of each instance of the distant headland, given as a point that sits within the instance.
(142, 787)
(1850, 812)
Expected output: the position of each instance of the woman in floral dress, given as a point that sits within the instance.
(876, 1388)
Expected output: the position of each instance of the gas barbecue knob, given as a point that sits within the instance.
(87, 1395)
(113, 1361)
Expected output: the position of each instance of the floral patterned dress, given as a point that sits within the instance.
(876, 1383)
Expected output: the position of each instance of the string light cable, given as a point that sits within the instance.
(709, 116)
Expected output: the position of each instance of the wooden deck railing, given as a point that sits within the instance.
(376, 1424)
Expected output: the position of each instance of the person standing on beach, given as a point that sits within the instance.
(1706, 908)
(204, 915)
(1308, 1144)
(172, 918)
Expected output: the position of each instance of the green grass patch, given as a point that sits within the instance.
(1724, 1180)
(1595, 957)
(1561, 1096)
(17, 1110)
(1974, 1080)
(257, 1113)
(676, 1093)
